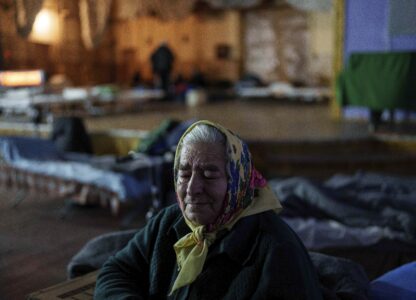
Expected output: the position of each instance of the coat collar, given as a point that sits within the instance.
(239, 243)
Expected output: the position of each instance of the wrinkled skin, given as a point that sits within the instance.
(202, 182)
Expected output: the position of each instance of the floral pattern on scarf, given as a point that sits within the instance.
(243, 178)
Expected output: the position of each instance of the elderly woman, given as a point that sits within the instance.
(224, 239)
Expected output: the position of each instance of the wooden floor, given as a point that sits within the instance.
(36, 244)
(251, 119)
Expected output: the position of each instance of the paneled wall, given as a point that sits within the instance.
(210, 40)
(286, 44)
(322, 45)
(194, 41)
(18, 52)
(68, 56)
(302, 42)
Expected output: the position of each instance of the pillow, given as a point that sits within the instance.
(396, 284)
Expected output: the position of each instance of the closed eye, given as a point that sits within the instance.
(211, 174)
(184, 174)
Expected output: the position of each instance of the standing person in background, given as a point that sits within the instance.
(162, 61)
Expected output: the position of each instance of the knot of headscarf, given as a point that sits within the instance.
(243, 180)
(191, 252)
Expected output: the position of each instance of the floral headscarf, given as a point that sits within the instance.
(247, 194)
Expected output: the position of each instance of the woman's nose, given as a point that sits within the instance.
(195, 185)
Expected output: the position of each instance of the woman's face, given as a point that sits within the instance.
(202, 181)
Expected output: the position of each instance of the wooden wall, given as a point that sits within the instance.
(286, 44)
(18, 52)
(304, 45)
(322, 45)
(68, 56)
(194, 41)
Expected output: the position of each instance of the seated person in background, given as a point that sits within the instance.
(136, 80)
(180, 87)
(197, 79)
(223, 240)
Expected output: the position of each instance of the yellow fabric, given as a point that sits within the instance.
(191, 252)
(243, 183)
(192, 249)
(104, 143)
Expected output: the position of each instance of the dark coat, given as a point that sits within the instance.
(260, 258)
(162, 60)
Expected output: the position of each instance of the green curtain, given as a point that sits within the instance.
(378, 81)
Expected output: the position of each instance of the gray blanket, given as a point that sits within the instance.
(356, 210)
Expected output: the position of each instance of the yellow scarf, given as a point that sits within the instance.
(192, 249)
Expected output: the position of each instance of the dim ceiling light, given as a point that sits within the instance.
(46, 27)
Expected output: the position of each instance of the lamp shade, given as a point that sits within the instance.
(46, 27)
